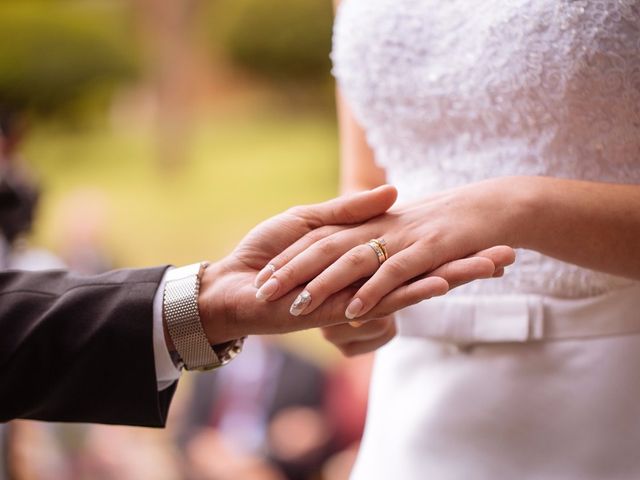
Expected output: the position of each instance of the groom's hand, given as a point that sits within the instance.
(228, 305)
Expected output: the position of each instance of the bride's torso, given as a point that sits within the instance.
(452, 92)
(456, 92)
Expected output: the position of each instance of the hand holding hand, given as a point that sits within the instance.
(420, 237)
(227, 302)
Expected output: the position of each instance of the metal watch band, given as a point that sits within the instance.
(180, 311)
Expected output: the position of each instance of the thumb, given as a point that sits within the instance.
(348, 209)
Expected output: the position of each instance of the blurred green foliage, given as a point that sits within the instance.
(241, 169)
(281, 39)
(56, 54)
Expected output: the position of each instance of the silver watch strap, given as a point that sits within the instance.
(180, 311)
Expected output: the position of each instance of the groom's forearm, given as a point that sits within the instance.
(78, 348)
(94, 349)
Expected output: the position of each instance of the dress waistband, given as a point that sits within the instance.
(470, 319)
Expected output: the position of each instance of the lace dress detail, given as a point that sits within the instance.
(456, 92)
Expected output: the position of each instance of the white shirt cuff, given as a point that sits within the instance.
(166, 371)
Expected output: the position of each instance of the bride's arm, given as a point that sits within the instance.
(591, 224)
(358, 169)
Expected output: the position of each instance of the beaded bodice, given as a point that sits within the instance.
(459, 91)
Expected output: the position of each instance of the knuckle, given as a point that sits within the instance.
(354, 258)
(296, 211)
(423, 246)
(313, 236)
(346, 214)
(445, 271)
(318, 234)
(326, 246)
(285, 275)
(409, 295)
(406, 296)
(395, 268)
(427, 250)
(291, 219)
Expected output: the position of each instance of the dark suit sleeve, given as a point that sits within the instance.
(80, 348)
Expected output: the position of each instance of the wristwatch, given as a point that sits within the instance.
(182, 316)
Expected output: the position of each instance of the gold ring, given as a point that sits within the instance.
(379, 247)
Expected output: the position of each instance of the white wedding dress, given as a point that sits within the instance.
(535, 375)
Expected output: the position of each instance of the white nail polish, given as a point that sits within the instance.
(300, 303)
(354, 308)
(268, 289)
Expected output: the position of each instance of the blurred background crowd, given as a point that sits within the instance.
(144, 132)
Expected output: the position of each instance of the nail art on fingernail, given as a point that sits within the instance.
(354, 308)
(267, 290)
(300, 303)
(264, 275)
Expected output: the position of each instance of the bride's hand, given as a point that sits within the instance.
(289, 228)
(371, 335)
(227, 303)
(420, 237)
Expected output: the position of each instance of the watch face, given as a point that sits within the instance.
(228, 351)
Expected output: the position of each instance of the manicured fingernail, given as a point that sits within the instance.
(354, 308)
(267, 290)
(300, 303)
(264, 275)
(356, 323)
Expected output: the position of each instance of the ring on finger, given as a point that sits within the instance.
(379, 248)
